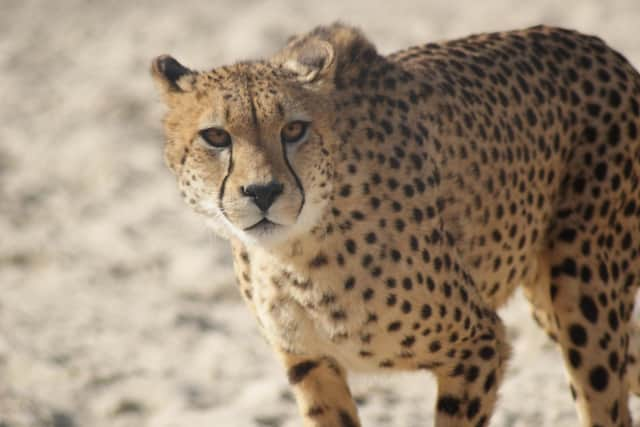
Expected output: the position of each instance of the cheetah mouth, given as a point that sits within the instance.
(263, 226)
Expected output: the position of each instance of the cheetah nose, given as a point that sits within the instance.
(263, 195)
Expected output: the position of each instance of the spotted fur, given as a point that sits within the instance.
(430, 183)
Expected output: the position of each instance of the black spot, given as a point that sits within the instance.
(579, 185)
(531, 117)
(338, 315)
(604, 75)
(614, 361)
(426, 311)
(417, 215)
(473, 408)
(578, 335)
(588, 87)
(449, 405)
(408, 341)
(389, 83)
(614, 99)
(299, 371)
(568, 267)
(351, 246)
(472, 374)
(613, 320)
(391, 300)
(593, 110)
(630, 208)
(357, 215)
(599, 378)
(458, 370)
(626, 241)
(318, 261)
(614, 412)
(406, 307)
(585, 62)
(632, 130)
(613, 136)
(600, 171)
(394, 326)
(367, 259)
(567, 234)
(371, 237)
(591, 134)
(589, 309)
(490, 381)
(416, 160)
(604, 272)
(408, 190)
(386, 125)
(575, 358)
(346, 420)
(585, 274)
(486, 353)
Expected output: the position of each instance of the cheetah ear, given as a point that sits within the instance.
(171, 76)
(327, 54)
(311, 60)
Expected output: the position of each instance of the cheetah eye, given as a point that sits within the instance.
(216, 137)
(294, 131)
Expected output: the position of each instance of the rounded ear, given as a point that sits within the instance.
(312, 60)
(168, 75)
(327, 54)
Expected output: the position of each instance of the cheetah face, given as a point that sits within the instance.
(249, 145)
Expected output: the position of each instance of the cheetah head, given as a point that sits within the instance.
(252, 144)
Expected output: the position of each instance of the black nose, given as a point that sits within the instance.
(263, 195)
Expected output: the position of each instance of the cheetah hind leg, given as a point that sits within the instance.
(571, 317)
(591, 332)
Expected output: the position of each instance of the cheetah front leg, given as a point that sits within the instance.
(321, 391)
(468, 383)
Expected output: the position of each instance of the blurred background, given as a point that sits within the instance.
(117, 308)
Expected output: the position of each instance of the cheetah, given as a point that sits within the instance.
(380, 209)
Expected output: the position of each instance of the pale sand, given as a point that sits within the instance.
(117, 308)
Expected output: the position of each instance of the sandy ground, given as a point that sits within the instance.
(116, 307)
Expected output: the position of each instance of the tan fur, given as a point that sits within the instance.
(430, 184)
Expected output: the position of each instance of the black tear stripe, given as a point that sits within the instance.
(224, 182)
(295, 176)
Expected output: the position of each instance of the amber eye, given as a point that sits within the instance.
(293, 132)
(216, 137)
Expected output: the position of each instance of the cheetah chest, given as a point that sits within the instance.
(312, 315)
